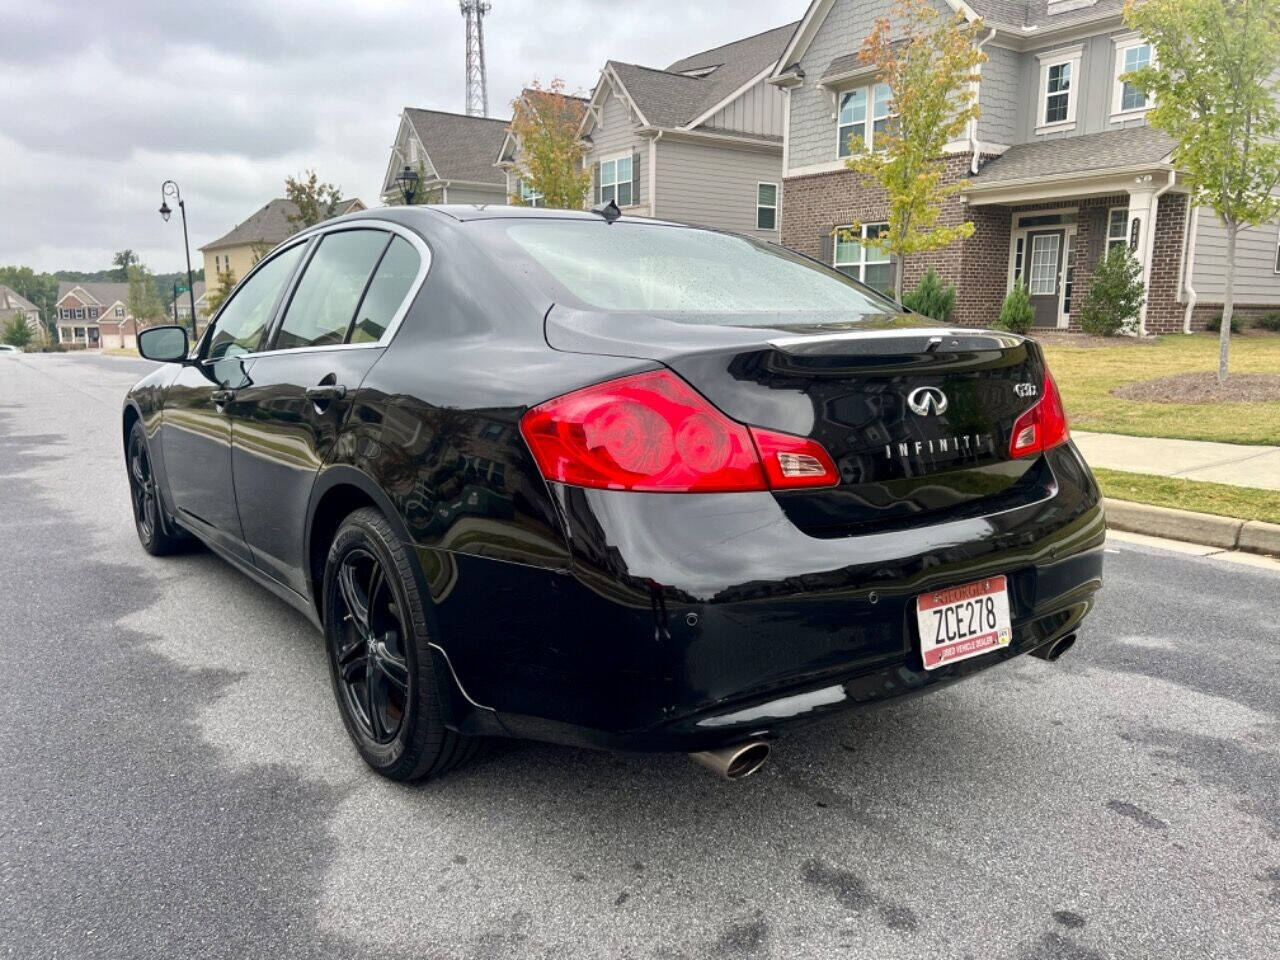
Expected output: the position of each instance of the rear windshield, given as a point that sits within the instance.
(697, 275)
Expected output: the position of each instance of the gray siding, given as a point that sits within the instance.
(616, 134)
(1000, 97)
(758, 111)
(714, 185)
(1093, 91)
(1256, 279)
(469, 194)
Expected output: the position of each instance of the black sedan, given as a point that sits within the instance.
(612, 482)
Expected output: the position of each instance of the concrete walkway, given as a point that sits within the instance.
(1233, 463)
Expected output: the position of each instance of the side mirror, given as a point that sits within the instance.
(167, 344)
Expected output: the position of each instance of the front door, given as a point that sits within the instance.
(195, 430)
(1044, 275)
(286, 423)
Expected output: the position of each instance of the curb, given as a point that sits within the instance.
(1226, 533)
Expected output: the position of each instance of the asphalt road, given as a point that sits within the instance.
(175, 781)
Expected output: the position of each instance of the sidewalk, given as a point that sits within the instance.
(1230, 463)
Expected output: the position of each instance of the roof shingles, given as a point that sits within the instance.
(270, 224)
(1075, 155)
(460, 147)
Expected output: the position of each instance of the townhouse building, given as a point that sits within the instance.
(94, 315)
(455, 157)
(1060, 166)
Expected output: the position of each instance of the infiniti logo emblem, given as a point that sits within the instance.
(926, 400)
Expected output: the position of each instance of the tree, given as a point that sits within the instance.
(40, 288)
(123, 260)
(1115, 294)
(18, 332)
(1016, 313)
(218, 295)
(143, 301)
(315, 201)
(929, 62)
(1214, 82)
(545, 121)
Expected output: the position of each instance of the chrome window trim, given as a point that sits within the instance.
(387, 226)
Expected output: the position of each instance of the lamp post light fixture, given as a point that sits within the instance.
(408, 183)
(170, 189)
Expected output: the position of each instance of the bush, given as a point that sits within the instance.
(1016, 314)
(18, 332)
(932, 297)
(1268, 321)
(1115, 295)
(1214, 324)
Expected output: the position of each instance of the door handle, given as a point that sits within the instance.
(327, 393)
(222, 397)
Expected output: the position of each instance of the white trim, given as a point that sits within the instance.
(777, 196)
(1065, 55)
(1067, 185)
(786, 130)
(1119, 47)
(869, 118)
(730, 98)
(629, 156)
(1108, 239)
(653, 174)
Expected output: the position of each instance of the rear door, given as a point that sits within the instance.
(341, 313)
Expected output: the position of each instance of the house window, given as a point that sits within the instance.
(860, 261)
(531, 197)
(1058, 73)
(615, 181)
(766, 206)
(852, 131)
(78, 333)
(79, 314)
(1132, 53)
(1018, 250)
(64, 313)
(1117, 228)
(93, 313)
(119, 311)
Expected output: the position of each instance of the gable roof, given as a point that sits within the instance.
(670, 98)
(575, 108)
(270, 224)
(102, 293)
(10, 299)
(1094, 152)
(460, 147)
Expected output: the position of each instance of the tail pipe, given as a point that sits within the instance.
(1052, 651)
(736, 762)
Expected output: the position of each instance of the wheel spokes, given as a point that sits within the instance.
(356, 600)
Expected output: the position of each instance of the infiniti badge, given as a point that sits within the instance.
(926, 400)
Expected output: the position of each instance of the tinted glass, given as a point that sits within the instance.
(704, 276)
(391, 282)
(325, 301)
(241, 325)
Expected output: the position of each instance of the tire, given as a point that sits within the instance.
(157, 534)
(375, 627)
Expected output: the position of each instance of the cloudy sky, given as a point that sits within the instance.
(102, 101)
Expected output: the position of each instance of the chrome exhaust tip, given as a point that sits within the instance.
(736, 762)
(1052, 651)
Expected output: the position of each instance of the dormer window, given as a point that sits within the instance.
(1059, 72)
(699, 72)
(1132, 53)
(852, 131)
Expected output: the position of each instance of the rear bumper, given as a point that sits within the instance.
(687, 622)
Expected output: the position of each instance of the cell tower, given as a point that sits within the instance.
(477, 86)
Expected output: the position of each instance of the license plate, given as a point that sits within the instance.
(957, 623)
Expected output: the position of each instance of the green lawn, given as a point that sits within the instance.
(1244, 503)
(1086, 376)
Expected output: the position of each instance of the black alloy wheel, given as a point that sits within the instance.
(380, 660)
(153, 533)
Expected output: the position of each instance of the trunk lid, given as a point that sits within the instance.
(918, 418)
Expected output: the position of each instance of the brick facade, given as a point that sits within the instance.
(815, 205)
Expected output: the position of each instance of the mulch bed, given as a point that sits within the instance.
(1204, 388)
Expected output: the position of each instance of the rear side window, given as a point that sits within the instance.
(324, 303)
(244, 320)
(391, 282)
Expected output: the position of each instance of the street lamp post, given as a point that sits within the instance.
(170, 189)
(174, 301)
(408, 183)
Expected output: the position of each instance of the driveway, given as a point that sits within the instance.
(175, 781)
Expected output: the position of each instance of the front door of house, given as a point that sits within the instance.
(1044, 275)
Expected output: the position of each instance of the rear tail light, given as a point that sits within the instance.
(654, 432)
(1044, 426)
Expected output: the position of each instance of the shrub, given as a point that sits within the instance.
(1214, 324)
(1016, 314)
(1115, 295)
(932, 297)
(18, 331)
(1268, 321)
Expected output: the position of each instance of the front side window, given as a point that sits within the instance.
(853, 131)
(1117, 228)
(322, 307)
(243, 321)
(531, 197)
(1058, 93)
(855, 259)
(766, 206)
(615, 181)
(681, 273)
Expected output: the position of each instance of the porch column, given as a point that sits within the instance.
(1142, 231)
